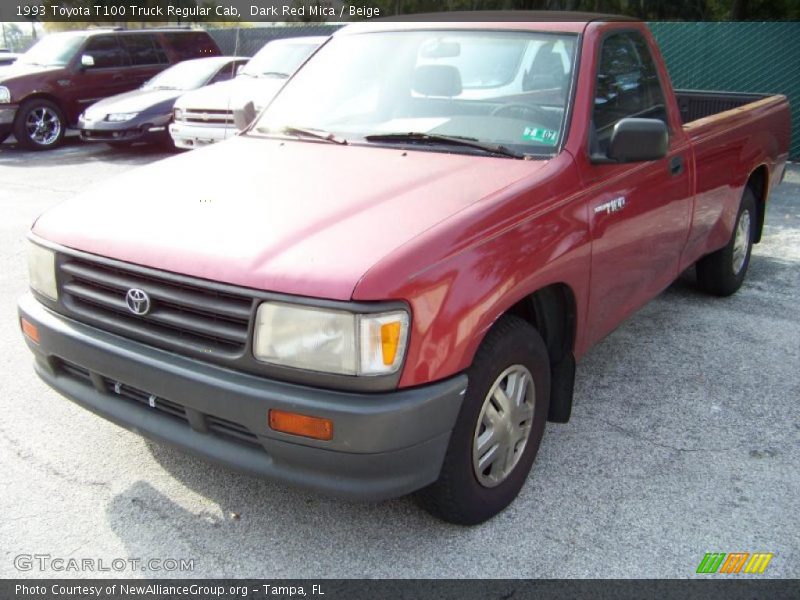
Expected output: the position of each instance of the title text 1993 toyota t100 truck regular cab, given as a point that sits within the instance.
(409, 249)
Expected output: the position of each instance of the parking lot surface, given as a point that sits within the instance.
(684, 439)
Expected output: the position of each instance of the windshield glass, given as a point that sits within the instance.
(501, 88)
(53, 50)
(186, 75)
(278, 59)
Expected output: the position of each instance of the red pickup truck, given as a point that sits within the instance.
(383, 285)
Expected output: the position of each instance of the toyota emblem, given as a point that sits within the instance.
(138, 301)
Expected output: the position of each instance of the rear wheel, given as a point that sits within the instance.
(39, 125)
(722, 272)
(499, 428)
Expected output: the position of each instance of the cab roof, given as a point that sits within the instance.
(517, 20)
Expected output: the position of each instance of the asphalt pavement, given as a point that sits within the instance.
(684, 439)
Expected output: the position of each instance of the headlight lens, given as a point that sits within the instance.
(119, 117)
(42, 270)
(5, 95)
(331, 341)
(177, 113)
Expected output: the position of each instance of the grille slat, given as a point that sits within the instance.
(229, 428)
(209, 117)
(234, 309)
(182, 315)
(164, 316)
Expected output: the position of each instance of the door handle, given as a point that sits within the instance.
(676, 166)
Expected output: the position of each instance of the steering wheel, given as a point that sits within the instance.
(518, 110)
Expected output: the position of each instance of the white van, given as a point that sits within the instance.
(205, 115)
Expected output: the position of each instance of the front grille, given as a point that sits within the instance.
(210, 116)
(215, 425)
(183, 316)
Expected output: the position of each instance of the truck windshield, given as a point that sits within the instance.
(55, 50)
(278, 59)
(507, 89)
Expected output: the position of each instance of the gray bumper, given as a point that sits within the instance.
(384, 445)
(7, 114)
(142, 128)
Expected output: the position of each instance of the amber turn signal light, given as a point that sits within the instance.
(296, 424)
(30, 330)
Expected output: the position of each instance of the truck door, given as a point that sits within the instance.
(639, 212)
(105, 74)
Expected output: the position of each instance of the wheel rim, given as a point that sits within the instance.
(741, 242)
(43, 125)
(504, 425)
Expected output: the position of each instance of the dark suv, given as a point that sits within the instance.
(50, 85)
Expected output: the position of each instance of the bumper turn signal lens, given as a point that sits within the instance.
(30, 330)
(296, 424)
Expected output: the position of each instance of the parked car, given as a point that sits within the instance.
(205, 116)
(390, 286)
(143, 115)
(7, 57)
(48, 87)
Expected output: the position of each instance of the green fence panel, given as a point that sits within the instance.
(735, 57)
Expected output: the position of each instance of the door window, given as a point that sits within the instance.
(627, 85)
(142, 50)
(106, 52)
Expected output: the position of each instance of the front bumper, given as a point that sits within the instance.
(385, 444)
(7, 114)
(141, 129)
(190, 136)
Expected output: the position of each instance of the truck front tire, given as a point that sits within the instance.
(498, 431)
(721, 273)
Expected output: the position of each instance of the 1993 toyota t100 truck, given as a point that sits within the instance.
(382, 285)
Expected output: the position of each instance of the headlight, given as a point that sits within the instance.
(177, 113)
(5, 95)
(332, 341)
(42, 270)
(119, 117)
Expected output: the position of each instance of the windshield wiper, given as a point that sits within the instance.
(280, 74)
(447, 140)
(317, 134)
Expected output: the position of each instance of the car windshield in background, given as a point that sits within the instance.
(500, 90)
(278, 60)
(55, 50)
(187, 75)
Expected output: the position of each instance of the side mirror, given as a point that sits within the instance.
(242, 117)
(638, 140)
(239, 69)
(87, 61)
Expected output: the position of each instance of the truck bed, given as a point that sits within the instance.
(697, 104)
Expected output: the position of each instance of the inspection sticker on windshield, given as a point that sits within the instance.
(548, 137)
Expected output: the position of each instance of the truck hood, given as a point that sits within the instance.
(296, 217)
(232, 94)
(135, 101)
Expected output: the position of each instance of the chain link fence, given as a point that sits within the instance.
(735, 57)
